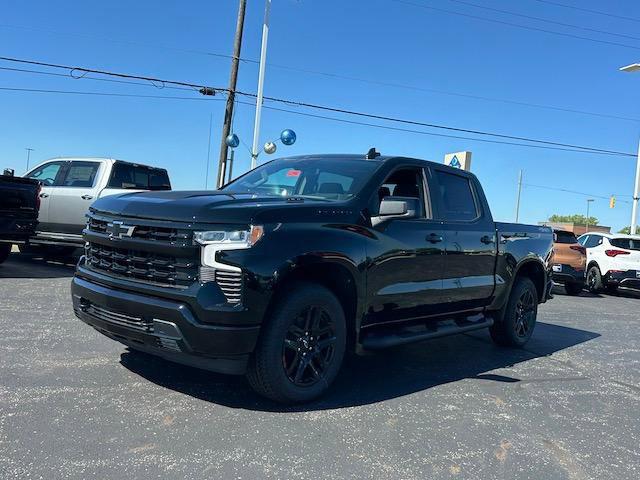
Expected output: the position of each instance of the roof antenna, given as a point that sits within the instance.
(372, 154)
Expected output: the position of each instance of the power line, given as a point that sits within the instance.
(516, 25)
(104, 94)
(437, 126)
(337, 76)
(545, 20)
(573, 191)
(86, 77)
(306, 114)
(597, 12)
(84, 71)
(321, 107)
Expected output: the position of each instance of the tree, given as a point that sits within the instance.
(575, 218)
(625, 230)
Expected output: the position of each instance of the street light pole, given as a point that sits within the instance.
(29, 150)
(636, 194)
(634, 67)
(586, 228)
(518, 198)
(263, 61)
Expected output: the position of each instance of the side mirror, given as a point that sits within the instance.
(396, 207)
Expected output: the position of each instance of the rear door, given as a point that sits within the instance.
(74, 193)
(470, 249)
(49, 175)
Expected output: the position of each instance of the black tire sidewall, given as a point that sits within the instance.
(506, 328)
(597, 285)
(267, 360)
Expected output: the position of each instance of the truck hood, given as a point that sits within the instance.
(206, 206)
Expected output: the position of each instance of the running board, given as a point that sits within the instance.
(443, 328)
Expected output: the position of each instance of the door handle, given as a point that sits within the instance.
(487, 240)
(86, 197)
(44, 195)
(434, 238)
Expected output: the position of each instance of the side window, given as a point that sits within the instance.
(407, 183)
(456, 197)
(46, 173)
(583, 240)
(593, 241)
(137, 177)
(81, 174)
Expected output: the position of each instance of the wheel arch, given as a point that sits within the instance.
(333, 275)
(535, 271)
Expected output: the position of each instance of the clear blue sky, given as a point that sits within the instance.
(380, 40)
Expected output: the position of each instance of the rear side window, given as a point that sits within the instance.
(138, 177)
(456, 197)
(81, 174)
(626, 243)
(593, 241)
(565, 237)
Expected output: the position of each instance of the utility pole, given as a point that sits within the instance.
(636, 195)
(263, 61)
(519, 193)
(228, 112)
(29, 150)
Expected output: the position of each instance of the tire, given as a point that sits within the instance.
(5, 250)
(573, 288)
(518, 321)
(612, 289)
(594, 279)
(301, 348)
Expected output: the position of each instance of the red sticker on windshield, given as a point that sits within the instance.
(294, 173)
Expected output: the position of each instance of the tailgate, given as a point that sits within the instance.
(18, 197)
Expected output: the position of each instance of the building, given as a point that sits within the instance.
(576, 228)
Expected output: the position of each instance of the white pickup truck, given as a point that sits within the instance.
(71, 185)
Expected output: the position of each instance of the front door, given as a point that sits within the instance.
(72, 197)
(470, 257)
(48, 174)
(404, 274)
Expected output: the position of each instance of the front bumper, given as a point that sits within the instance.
(163, 327)
(563, 273)
(627, 279)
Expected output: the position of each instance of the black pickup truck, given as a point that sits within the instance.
(281, 271)
(19, 205)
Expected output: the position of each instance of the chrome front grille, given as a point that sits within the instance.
(231, 285)
(150, 267)
(143, 231)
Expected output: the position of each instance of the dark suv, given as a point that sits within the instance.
(290, 265)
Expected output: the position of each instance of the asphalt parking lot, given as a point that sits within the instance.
(74, 404)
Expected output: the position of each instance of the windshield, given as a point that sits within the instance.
(322, 178)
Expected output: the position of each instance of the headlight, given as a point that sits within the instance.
(248, 237)
(214, 241)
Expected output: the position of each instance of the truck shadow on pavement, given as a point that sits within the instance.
(27, 265)
(373, 378)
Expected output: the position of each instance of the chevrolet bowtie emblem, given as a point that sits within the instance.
(117, 230)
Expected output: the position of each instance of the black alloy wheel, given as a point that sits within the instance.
(525, 314)
(301, 347)
(308, 346)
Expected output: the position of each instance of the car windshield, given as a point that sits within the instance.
(626, 243)
(320, 178)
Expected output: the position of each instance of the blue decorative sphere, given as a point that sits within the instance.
(232, 140)
(288, 137)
